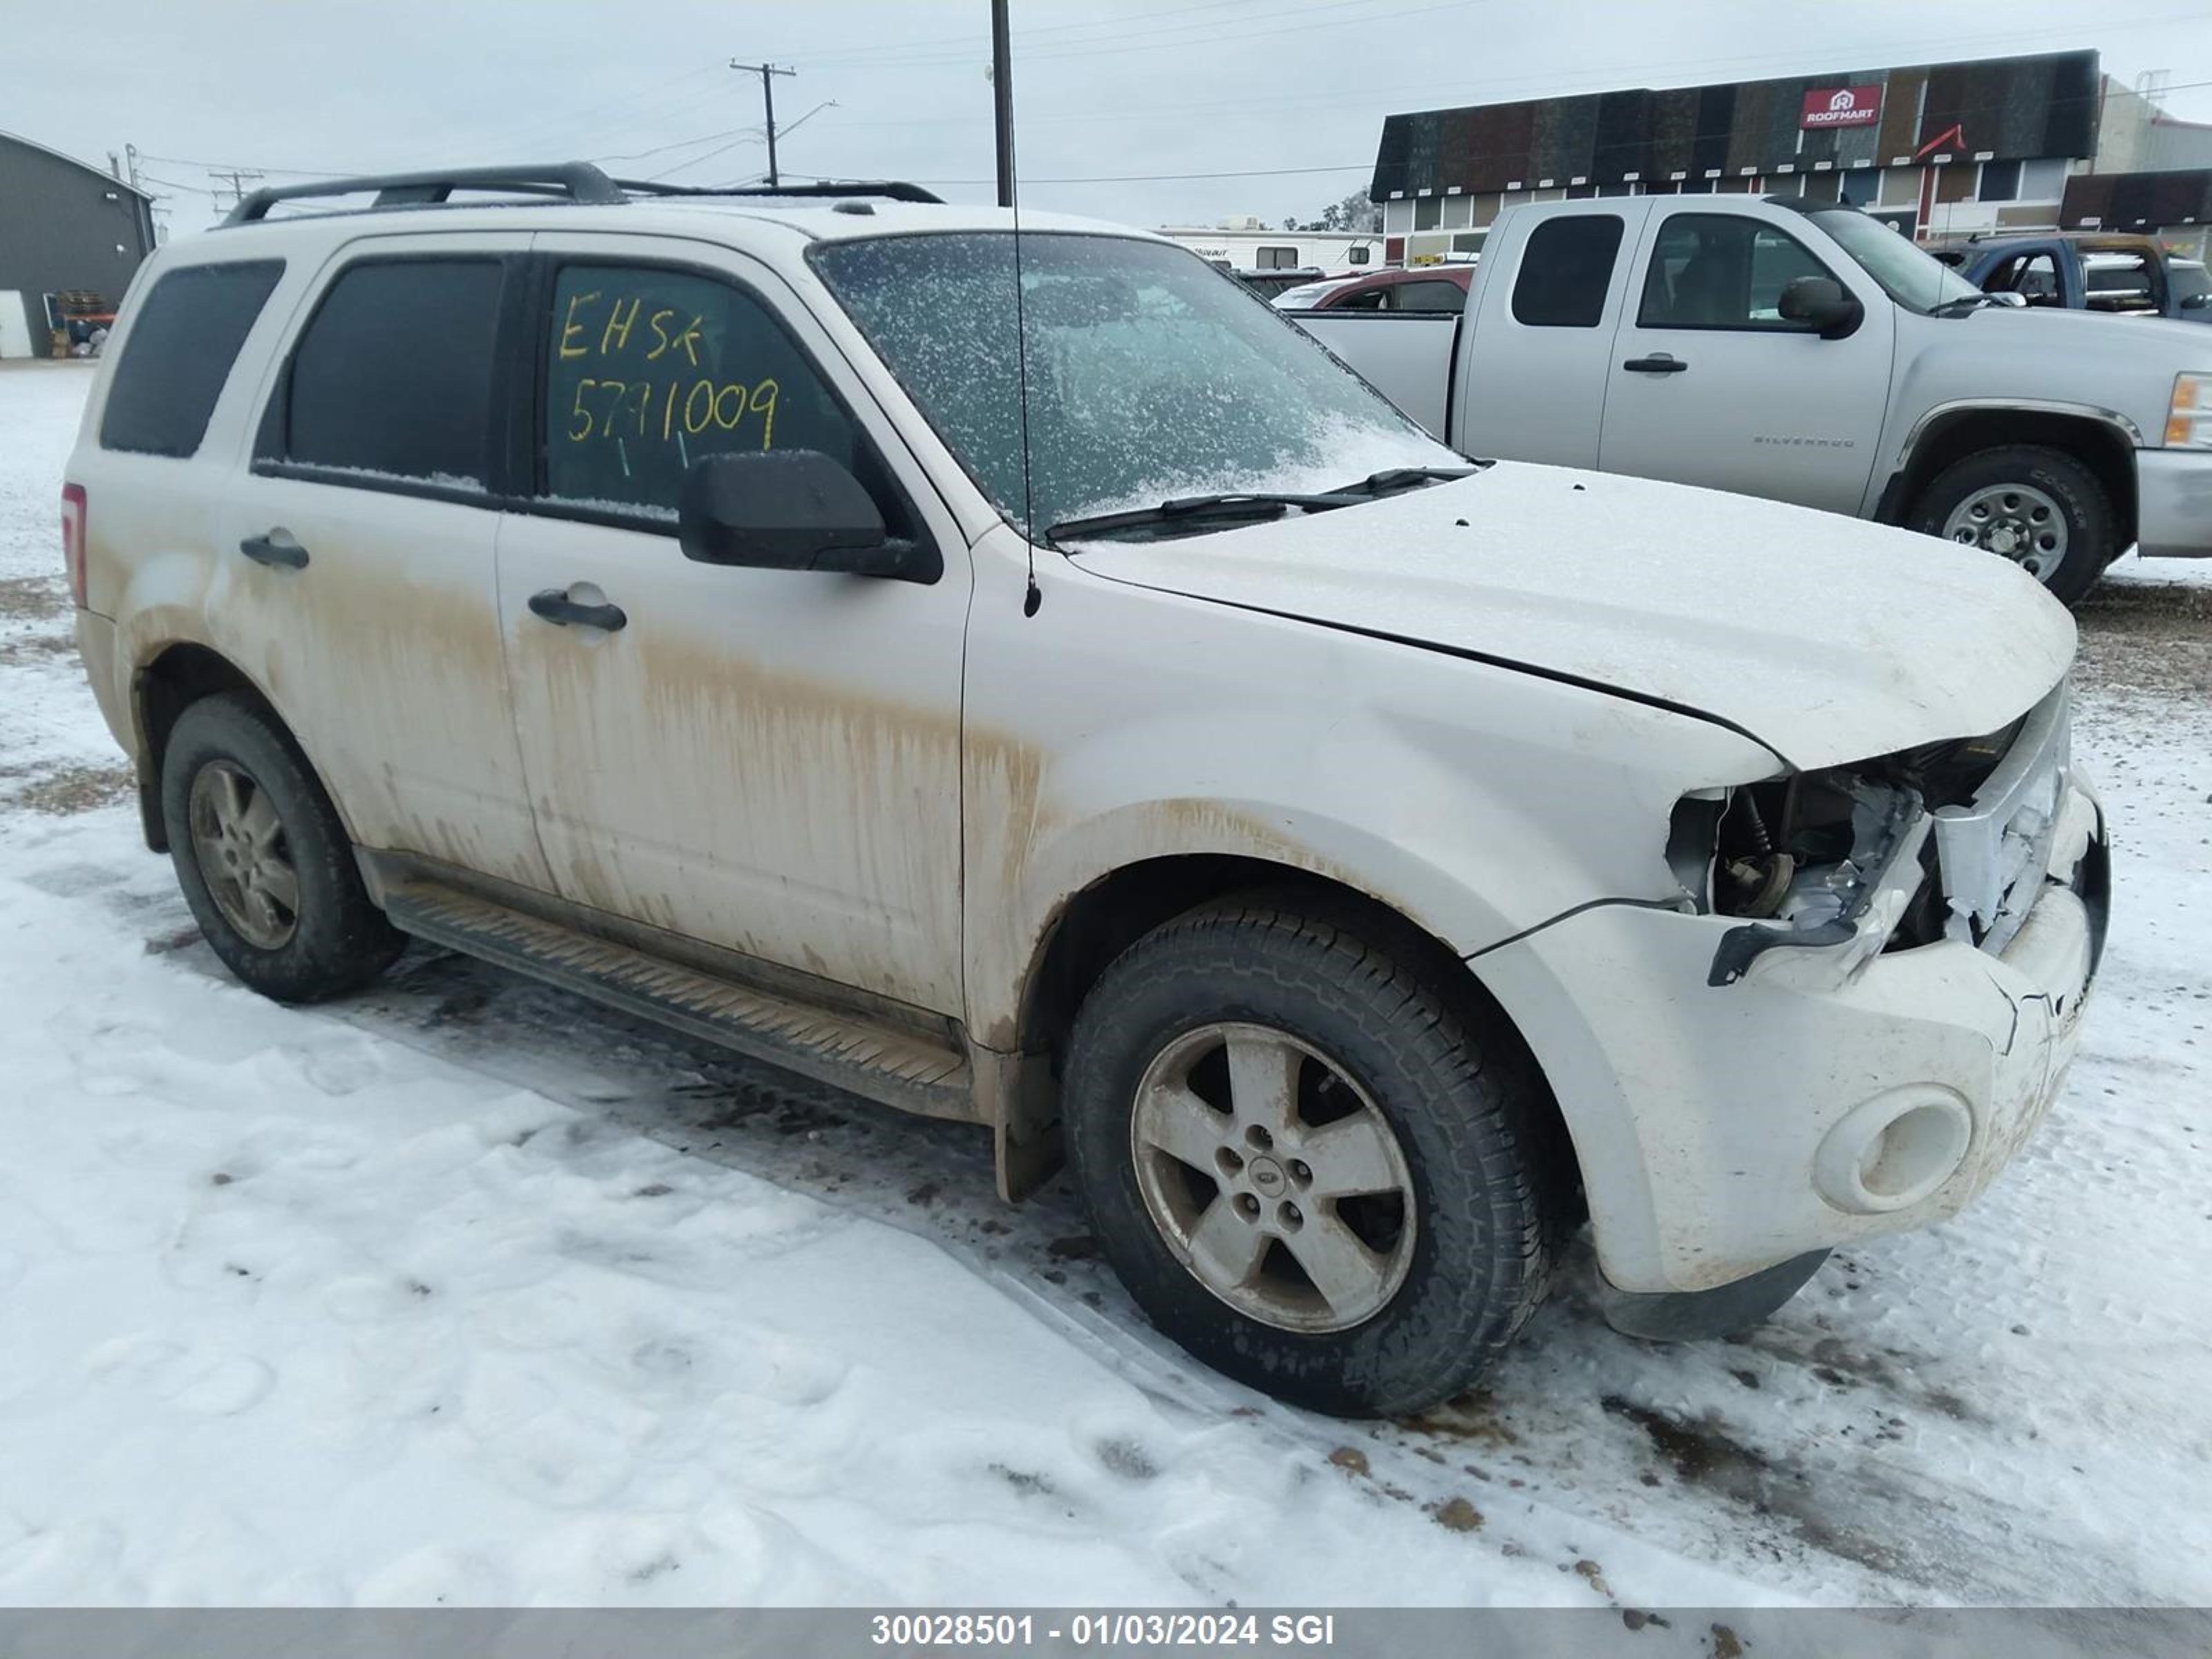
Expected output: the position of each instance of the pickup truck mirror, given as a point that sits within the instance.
(787, 509)
(1821, 302)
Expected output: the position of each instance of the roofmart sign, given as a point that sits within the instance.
(1841, 106)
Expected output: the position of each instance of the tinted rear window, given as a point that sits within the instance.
(1566, 271)
(184, 336)
(393, 376)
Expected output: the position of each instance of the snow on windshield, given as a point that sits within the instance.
(1150, 374)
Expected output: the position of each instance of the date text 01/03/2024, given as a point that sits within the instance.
(1144, 1629)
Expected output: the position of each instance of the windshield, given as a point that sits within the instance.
(1150, 374)
(1908, 275)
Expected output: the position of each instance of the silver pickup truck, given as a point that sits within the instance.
(1809, 354)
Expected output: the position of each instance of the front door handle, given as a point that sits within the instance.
(1657, 363)
(557, 607)
(275, 547)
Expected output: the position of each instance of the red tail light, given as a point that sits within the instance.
(73, 539)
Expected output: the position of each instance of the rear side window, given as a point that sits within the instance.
(184, 338)
(1566, 271)
(392, 377)
(1431, 297)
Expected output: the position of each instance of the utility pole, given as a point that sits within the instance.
(1002, 98)
(767, 72)
(131, 159)
(238, 177)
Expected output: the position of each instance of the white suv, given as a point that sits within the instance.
(1364, 864)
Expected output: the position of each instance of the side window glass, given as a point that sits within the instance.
(391, 378)
(1722, 270)
(1566, 271)
(184, 336)
(1372, 299)
(1431, 297)
(2035, 277)
(2120, 283)
(646, 370)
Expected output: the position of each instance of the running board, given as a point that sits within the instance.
(879, 1062)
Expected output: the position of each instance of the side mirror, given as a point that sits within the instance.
(791, 509)
(1821, 302)
(2197, 301)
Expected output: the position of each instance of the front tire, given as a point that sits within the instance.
(2038, 507)
(1315, 1168)
(263, 861)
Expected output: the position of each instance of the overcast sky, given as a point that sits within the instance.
(1286, 96)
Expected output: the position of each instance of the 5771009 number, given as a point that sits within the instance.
(651, 409)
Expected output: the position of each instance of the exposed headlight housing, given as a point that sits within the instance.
(2189, 415)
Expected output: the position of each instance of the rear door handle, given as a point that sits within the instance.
(275, 547)
(555, 605)
(1658, 363)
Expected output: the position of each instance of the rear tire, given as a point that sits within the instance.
(1213, 1239)
(263, 861)
(2039, 507)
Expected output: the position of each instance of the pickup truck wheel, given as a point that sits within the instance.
(1312, 1169)
(262, 859)
(2039, 507)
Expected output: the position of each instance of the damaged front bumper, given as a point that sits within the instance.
(1744, 1093)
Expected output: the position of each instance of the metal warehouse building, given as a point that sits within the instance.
(1937, 149)
(65, 228)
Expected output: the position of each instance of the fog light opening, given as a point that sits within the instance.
(1915, 1151)
(1894, 1149)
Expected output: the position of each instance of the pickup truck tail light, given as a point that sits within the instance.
(2189, 417)
(73, 539)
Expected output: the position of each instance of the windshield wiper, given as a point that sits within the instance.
(1245, 507)
(1963, 304)
(1393, 479)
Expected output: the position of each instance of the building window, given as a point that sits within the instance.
(1428, 212)
(2044, 179)
(1397, 217)
(1860, 187)
(1999, 182)
(1469, 241)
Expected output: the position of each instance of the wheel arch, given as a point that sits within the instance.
(164, 685)
(2100, 439)
(1096, 924)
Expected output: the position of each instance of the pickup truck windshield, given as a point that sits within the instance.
(1916, 280)
(1150, 374)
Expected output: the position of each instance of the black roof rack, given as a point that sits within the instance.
(578, 182)
(891, 189)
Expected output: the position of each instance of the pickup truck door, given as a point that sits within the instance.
(765, 761)
(1709, 385)
(1536, 354)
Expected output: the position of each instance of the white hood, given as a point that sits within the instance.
(1828, 639)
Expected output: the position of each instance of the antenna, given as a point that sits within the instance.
(1002, 103)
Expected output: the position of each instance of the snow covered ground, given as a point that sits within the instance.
(465, 1292)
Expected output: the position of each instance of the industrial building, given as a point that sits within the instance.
(67, 229)
(1935, 150)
